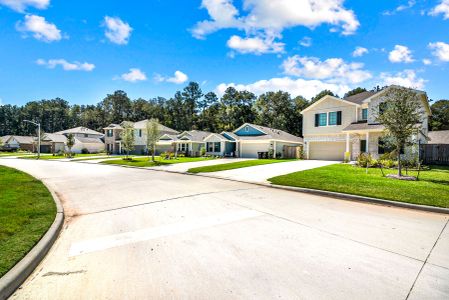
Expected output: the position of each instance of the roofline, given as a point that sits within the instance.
(249, 124)
(325, 98)
(216, 134)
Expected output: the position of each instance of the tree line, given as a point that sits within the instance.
(188, 109)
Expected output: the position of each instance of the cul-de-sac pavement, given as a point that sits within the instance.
(136, 233)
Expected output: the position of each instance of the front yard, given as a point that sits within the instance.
(27, 210)
(159, 161)
(236, 165)
(431, 189)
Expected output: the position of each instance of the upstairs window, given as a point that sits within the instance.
(321, 119)
(140, 132)
(109, 133)
(365, 114)
(333, 118)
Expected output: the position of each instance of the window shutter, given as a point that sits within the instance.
(338, 117)
(317, 116)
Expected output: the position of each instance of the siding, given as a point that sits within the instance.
(251, 131)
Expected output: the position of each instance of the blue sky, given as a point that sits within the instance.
(83, 50)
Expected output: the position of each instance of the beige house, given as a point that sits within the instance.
(334, 128)
(113, 142)
(85, 138)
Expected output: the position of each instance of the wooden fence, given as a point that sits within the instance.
(434, 154)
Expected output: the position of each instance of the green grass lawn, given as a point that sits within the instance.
(5, 154)
(26, 212)
(236, 165)
(145, 162)
(46, 156)
(432, 188)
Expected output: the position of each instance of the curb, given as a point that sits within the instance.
(12, 280)
(343, 196)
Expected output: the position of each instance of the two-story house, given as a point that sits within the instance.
(113, 136)
(334, 128)
(85, 138)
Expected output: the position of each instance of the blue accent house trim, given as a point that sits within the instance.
(248, 130)
(228, 136)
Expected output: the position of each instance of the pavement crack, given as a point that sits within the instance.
(425, 261)
(64, 273)
(165, 200)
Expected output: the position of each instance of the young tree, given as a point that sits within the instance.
(153, 134)
(128, 138)
(70, 143)
(400, 113)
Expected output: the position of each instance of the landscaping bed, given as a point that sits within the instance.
(432, 188)
(27, 210)
(236, 165)
(159, 161)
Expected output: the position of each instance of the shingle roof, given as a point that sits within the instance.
(24, 139)
(55, 138)
(439, 137)
(90, 140)
(5, 138)
(143, 124)
(195, 135)
(359, 98)
(363, 126)
(113, 126)
(80, 129)
(271, 134)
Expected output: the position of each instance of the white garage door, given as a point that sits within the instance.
(250, 150)
(327, 150)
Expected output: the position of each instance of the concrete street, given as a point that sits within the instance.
(144, 234)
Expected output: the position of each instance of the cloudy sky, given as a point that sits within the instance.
(81, 50)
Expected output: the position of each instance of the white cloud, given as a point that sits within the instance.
(134, 75)
(306, 41)
(406, 78)
(22, 5)
(441, 9)
(402, 7)
(334, 70)
(255, 45)
(265, 19)
(40, 28)
(67, 66)
(178, 78)
(440, 50)
(400, 54)
(359, 51)
(426, 61)
(117, 31)
(296, 87)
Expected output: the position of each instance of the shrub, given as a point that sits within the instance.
(181, 155)
(365, 160)
(84, 151)
(203, 151)
(388, 163)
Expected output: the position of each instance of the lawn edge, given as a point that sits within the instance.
(14, 278)
(343, 196)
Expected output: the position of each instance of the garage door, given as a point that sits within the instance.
(327, 150)
(250, 150)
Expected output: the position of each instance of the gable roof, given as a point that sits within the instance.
(89, 140)
(143, 124)
(5, 138)
(360, 98)
(195, 135)
(328, 97)
(270, 134)
(113, 126)
(54, 137)
(80, 129)
(220, 136)
(439, 137)
(24, 139)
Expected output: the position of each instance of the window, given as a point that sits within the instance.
(140, 132)
(363, 146)
(365, 114)
(247, 128)
(213, 147)
(109, 133)
(382, 107)
(384, 147)
(86, 135)
(322, 119)
(333, 118)
(183, 147)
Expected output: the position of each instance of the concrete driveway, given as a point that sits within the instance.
(184, 167)
(263, 172)
(139, 234)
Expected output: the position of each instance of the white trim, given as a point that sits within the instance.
(325, 98)
(217, 135)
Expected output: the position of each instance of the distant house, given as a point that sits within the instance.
(53, 143)
(249, 140)
(18, 142)
(438, 137)
(85, 138)
(113, 140)
(187, 142)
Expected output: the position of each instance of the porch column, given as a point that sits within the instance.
(274, 149)
(347, 142)
(120, 148)
(307, 149)
(367, 142)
